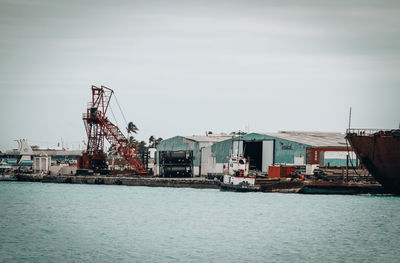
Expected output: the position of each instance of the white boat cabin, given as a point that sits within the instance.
(238, 172)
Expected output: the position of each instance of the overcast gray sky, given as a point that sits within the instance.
(184, 67)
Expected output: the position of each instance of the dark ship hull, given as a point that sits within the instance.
(379, 152)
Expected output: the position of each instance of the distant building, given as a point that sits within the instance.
(25, 156)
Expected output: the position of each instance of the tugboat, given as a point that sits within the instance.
(237, 177)
(379, 152)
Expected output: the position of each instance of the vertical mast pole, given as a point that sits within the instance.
(349, 119)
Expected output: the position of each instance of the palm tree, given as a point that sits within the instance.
(132, 141)
(157, 141)
(151, 141)
(131, 128)
(142, 147)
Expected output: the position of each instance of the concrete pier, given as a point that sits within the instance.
(118, 180)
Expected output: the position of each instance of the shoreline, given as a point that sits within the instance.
(266, 186)
(198, 183)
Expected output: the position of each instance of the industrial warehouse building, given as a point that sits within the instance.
(204, 155)
(310, 149)
(179, 156)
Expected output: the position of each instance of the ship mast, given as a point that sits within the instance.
(349, 119)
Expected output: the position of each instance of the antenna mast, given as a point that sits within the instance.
(349, 118)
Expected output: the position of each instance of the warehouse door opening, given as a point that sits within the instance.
(253, 151)
(176, 163)
(267, 155)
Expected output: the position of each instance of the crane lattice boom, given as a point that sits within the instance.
(122, 146)
(99, 127)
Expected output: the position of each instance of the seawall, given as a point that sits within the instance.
(129, 181)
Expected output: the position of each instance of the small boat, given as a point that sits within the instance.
(6, 172)
(237, 177)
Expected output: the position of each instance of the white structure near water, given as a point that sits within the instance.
(41, 163)
(238, 172)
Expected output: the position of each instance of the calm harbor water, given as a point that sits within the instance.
(99, 223)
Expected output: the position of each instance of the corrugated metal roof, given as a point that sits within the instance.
(316, 139)
(209, 138)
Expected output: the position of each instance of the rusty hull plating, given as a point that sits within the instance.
(379, 152)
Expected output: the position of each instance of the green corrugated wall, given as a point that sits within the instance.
(222, 150)
(284, 150)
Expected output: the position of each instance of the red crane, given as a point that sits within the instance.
(98, 127)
